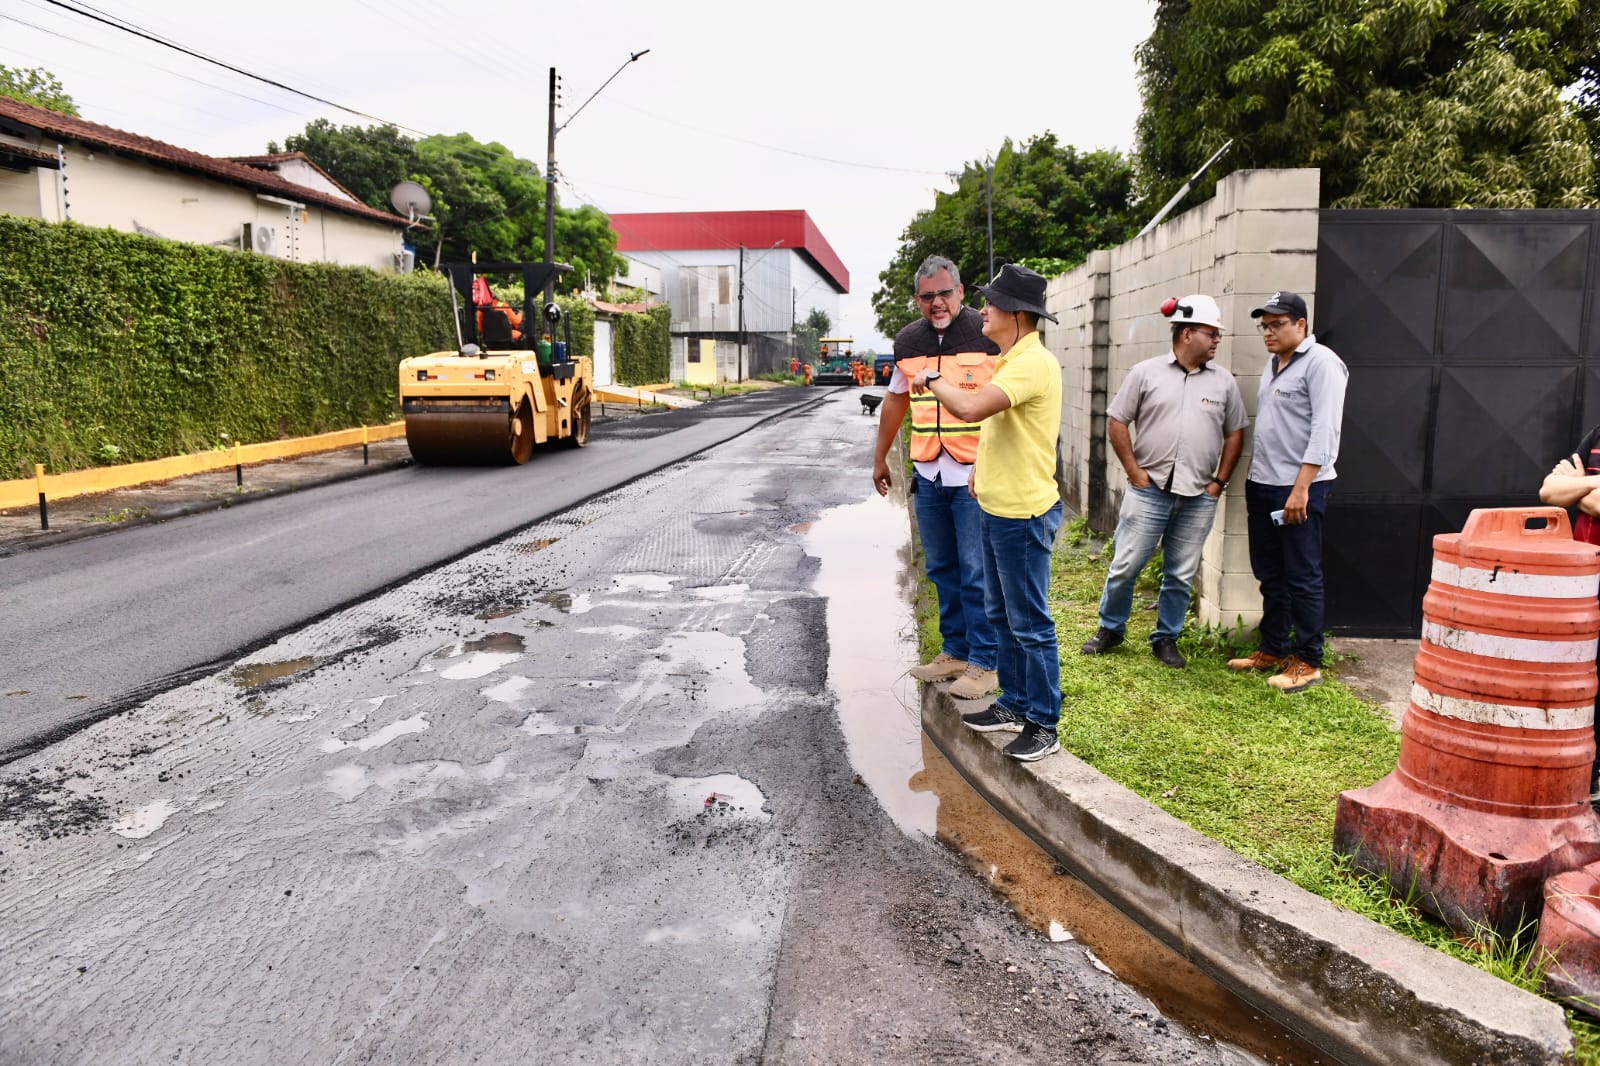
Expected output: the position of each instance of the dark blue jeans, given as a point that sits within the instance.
(1287, 560)
(952, 552)
(1016, 574)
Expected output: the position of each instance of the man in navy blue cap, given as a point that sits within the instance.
(1299, 412)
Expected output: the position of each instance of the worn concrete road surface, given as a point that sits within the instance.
(581, 796)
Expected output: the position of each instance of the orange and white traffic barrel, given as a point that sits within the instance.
(1490, 796)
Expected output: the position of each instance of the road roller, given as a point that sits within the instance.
(509, 385)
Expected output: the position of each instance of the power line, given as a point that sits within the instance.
(775, 148)
(128, 27)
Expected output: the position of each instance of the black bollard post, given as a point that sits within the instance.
(44, 507)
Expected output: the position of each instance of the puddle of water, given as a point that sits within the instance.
(618, 632)
(254, 675)
(393, 731)
(146, 820)
(1064, 908)
(500, 642)
(567, 603)
(481, 663)
(720, 593)
(507, 691)
(496, 613)
(870, 647)
(643, 582)
(720, 796)
(711, 666)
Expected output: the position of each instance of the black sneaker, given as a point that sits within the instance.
(1166, 649)
(1102, 641)
(994, 718)
(1036, 742)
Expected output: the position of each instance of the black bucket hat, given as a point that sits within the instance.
(1016, 288)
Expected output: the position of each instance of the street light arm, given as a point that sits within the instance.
(633, 57)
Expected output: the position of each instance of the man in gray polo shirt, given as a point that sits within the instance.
(1188, 414)
(1299, 412)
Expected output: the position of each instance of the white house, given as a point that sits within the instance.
(57, 167)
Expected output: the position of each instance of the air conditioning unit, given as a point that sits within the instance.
(260, 238)
(405, 262)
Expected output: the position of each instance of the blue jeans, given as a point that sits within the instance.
(1179, 524)
(952, 550)
(1287, 560)
(1016, 574)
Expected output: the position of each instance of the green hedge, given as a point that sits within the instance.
(643, 347)
(117, 348)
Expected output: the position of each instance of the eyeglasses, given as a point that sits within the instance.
(1276, 324)
(1214, 334)
(937, 294)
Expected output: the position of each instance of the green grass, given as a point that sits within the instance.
(1248, 766)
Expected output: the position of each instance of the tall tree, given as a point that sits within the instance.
(36, 86)
(1401, 103)
(1049, 200)
(367, 160)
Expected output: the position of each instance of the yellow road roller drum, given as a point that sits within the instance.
(505, 390)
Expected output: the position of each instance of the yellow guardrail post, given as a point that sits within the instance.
(44, 509)
(365, 457)
(238, 466)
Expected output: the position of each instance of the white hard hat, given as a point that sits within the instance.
(1197, 310)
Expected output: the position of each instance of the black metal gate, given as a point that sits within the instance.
(1474, 360)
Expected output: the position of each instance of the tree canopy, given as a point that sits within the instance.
(485, 199)
(1050, 200)
(1401, 103)
(36, 86)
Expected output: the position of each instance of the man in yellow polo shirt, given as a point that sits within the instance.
(1014, 482)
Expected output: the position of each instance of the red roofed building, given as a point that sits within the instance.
(57, 167)
(773, 266)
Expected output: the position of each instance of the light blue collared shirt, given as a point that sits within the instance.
(1299, 412)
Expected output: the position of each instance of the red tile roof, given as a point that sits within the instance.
(56, 126)
(618, 309)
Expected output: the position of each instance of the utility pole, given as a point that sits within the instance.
(741, 312)
(550, 199)
(550, 166)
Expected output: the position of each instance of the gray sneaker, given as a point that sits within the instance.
(1036, 742)
(995, 718)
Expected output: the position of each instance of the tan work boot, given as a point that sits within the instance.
(1296, 675)
(1256, 660)
(975, 683)
(941, 667)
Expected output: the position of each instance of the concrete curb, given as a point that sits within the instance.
(1348, 986)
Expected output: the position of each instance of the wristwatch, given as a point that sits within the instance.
(933, 375)
(1219, 482)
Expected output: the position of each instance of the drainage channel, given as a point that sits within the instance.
(868, 577)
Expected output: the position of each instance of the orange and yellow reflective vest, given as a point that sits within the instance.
(967, 363)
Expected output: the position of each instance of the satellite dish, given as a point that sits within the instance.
(411, 199)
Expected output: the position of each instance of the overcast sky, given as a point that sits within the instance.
(853, 112)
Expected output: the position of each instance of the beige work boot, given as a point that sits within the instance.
(974, 683)
(1296, 676)
(1256, 660)
(941, 667)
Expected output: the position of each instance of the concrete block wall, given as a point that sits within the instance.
(1257, 235)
